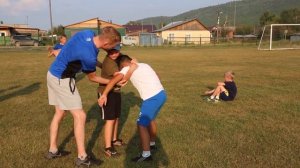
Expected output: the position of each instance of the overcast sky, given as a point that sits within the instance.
(70, 11)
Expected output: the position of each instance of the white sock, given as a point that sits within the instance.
(217, 97)
(212, 97)
(146, 153)
(152, 143)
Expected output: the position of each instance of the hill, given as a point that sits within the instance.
(248, 12)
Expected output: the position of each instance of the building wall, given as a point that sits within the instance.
(6, 32)
(186, 36)
(93, 24)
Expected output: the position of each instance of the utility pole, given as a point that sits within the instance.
(218, 25)
(234, 16)
(27, 21)
(50, 10)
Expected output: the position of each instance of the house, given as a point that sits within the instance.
(185, 32)
(94, 24)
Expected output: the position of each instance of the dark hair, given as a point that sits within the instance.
(122, 58)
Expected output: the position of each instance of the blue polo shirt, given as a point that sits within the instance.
(79, 54)
(58, 46)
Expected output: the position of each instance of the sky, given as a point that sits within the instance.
(65, 12)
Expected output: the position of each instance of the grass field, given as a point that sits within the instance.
(261, 128)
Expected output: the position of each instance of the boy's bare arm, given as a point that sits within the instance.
(97, 79)
(129, 73)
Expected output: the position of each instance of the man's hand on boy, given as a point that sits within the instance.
(102, 100)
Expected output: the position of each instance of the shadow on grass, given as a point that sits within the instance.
(24, 91)
(160, 157)
(92, 114)
(128, 100)
(10, 88)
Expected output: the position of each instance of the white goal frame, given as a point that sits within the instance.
(271, 37)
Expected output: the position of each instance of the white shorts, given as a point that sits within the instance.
(59, 93)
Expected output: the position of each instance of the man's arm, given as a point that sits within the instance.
(97, 79)
(99, 64)
(103, 99)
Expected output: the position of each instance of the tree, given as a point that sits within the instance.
(58, 30)
(290, 16)
(268, 18)
(133, 23)
(1, 22)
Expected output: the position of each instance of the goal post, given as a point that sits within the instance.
(280, 37)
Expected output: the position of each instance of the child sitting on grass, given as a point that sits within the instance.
(225, 91)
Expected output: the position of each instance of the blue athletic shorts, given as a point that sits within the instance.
(150, 108)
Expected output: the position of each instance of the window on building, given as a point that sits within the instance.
(2, 34)
(171, 36)
(188, 37)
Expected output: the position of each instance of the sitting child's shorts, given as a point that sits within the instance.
(150, 108)
(225, 96)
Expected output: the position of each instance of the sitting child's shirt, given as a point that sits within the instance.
(231, 88)
(145, 80)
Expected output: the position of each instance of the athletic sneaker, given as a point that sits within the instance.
(111, 152)
(209, 99)
(87, 162)
(140, 158)
(58, 154)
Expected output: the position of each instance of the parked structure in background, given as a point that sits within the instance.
(133, 33)
(7, 31)
(94, 24)
(185, 32)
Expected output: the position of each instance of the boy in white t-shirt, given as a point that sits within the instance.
(146, 81)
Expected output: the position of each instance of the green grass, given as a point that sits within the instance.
(261, 128)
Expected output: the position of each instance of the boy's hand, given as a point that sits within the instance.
(102, 100)
(50, 50)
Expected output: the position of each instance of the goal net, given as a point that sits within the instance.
(280, 37)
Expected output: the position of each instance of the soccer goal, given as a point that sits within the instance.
(280, 37)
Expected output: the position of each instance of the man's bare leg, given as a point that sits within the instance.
(54, 127)
(79, 131)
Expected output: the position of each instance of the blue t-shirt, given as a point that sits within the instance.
(58, 46)
(79, 54)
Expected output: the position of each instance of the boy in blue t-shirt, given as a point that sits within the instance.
(58, 46)
(79, 54)
(62, 42)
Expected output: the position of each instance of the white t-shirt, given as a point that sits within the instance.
(145, 80)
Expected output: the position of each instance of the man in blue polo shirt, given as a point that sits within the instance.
(79, 54)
